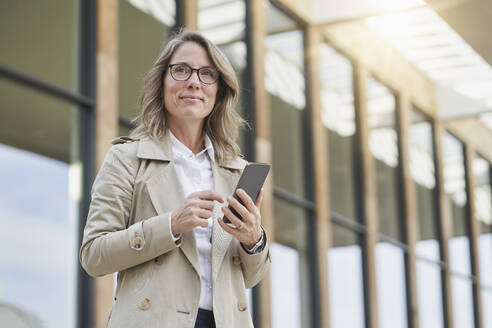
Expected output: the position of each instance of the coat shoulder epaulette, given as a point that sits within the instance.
(122, 140)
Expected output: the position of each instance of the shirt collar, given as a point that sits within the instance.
(181, 150)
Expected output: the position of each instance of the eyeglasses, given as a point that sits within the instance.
(183, 71)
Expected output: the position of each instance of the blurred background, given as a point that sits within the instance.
(375, 114)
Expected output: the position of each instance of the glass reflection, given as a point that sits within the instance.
(284, 81)
(487, 304)
(249, 295)
(483, 213)
(391, 286)
(144, 27)
(345, 279)
(38, 207)
(289, 272)
(462, 302)
(39, 38)
(224, 23)
(422, 170)
(429, 295)
(338, 116)
(123, 130)
(455, 204)
(285, 287)
(383, 146)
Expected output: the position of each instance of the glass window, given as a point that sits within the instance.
(289, 272)
(462, 301)
(383, 146)
(224, 23)
(429, 294)
(38, 38)
(454, 185)
(338, 117)
(486, 305)
(459, 249)
(40, 176)
(422, 170)
(144, 28)
(390, 267)
(483, 213)
(123, 130)
(390, 280)
(345, 279)
(284, 80)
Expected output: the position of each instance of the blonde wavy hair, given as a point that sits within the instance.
(221, 125)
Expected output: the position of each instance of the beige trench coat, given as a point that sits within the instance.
(127, 231)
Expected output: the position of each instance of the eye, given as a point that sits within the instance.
(180, 69)
(207, 71)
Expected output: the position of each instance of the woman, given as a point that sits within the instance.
(158, 201)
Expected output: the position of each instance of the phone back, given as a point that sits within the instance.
(251, 181)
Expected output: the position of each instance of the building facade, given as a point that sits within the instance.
(378, 212)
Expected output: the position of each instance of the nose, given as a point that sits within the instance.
(193, 80)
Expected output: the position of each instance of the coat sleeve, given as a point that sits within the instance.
(109, 244)
(254, 266)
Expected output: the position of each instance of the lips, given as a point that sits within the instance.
(191, 98)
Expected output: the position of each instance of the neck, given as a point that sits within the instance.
(191, 136)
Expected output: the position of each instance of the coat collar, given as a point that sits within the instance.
(161, 150)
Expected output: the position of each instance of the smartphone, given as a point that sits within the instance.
(251, 181)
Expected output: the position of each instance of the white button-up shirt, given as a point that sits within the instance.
(195, 174)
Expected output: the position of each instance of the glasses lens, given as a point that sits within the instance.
(181, 72)
(208, 74)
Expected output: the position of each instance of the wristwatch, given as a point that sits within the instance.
(258, 247)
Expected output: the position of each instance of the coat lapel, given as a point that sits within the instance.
(166, 192)
(225, 183)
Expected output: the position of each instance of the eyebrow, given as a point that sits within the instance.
(192, 66)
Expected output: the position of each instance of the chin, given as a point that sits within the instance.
(194, 113)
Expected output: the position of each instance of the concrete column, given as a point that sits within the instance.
(106, 123)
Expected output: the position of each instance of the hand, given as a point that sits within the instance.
(194, 212)
(248, 231)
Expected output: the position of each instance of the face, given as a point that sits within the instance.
(189, 101)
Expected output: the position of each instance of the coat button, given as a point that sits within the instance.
(242, 306)
(144, 304)
(137, 243)
(236, 260)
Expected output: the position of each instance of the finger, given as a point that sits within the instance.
(234, 219)
(248, 203)
(203, 214)
(227, 228)
(203, 204)
(259, 199)
(197, 213)
(240, 209)
(208, 195)
(201, 223)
